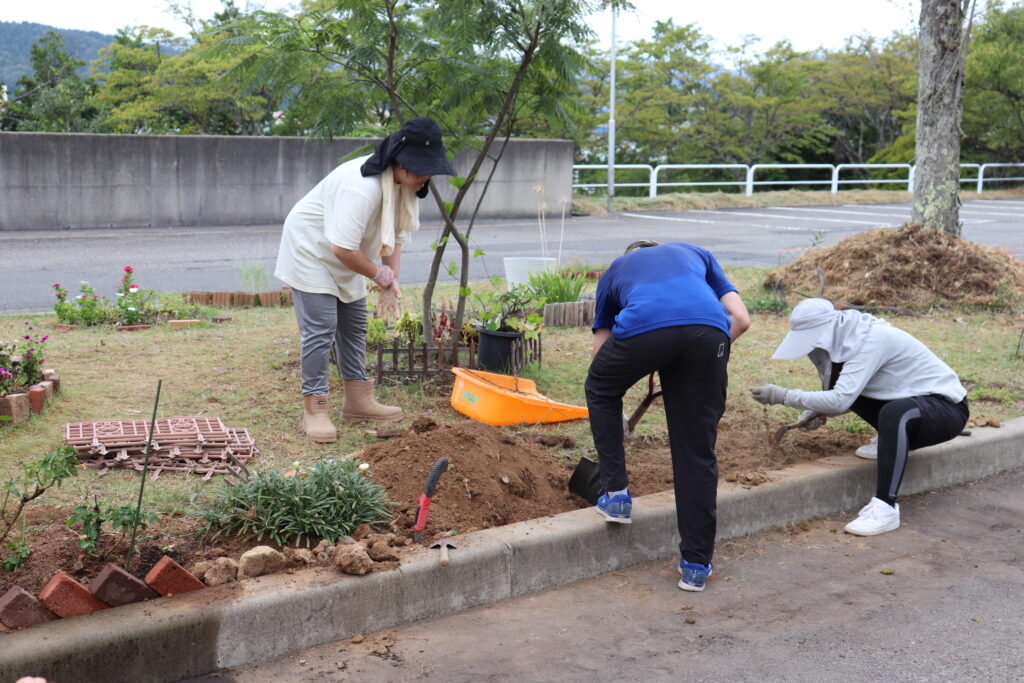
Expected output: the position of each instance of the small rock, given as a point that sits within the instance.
(362, 531)
(691, 620)
(218, 552)
(259, 561)
(322, 547)
(222, 570)
(302, 662)
(994, 422)
(686, 607)
(346, 540)
(373, 539)
(199, 571)
(358, 639)
(381, 552)
(341, 665)
(353, 559)
(381, 651)
(887, 572)
(303, 556)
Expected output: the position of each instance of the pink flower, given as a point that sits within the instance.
(128, 269)
(56, 285)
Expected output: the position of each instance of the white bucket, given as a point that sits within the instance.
(518, 268)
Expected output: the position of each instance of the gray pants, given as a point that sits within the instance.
(324, 319)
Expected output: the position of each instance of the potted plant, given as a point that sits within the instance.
(503, 318)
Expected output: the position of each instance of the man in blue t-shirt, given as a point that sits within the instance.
(667, 308)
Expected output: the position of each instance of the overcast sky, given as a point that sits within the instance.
(806, 23)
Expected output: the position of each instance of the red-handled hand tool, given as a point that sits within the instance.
(428, 494)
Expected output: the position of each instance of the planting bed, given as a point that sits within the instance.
(473, 494)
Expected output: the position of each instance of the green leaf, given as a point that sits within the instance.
(453, 269)
(448, 206)
(465, 291)
(478, 252)
(457, 181)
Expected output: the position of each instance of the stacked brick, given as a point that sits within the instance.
(63, 597)
(200, 445)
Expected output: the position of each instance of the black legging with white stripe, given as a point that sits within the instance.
(904, 424)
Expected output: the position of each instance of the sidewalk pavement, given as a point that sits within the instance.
(259, 619)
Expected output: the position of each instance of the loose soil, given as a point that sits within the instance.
(906, 267)
(495, 477)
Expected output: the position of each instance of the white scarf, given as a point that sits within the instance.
(408, 212)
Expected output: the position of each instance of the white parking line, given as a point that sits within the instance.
(852, 213)
(668, 218)
(724, 223)
(986, 212)
(795, 218)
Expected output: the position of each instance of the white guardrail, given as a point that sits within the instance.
(834, 179)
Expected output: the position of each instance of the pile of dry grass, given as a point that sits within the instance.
(909, 267)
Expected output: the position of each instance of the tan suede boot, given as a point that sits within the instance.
(316, 420)
(360, 404)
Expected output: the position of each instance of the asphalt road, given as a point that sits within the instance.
(181, 259)
(938, 599)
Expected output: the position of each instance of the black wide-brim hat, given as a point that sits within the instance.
(417, 146)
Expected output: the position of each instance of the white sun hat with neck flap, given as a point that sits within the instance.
(816, 324)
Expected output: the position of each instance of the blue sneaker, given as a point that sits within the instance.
(694, 575)
(615, 509)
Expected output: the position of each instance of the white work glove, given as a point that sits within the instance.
(810, 420)
(769, 394)
(384, 276)
(388, 304)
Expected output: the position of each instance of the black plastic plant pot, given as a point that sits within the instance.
(494, 350)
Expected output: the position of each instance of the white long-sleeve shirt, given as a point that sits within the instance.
(892, 364)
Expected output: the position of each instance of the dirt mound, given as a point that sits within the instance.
(909, 266)
(493, 476)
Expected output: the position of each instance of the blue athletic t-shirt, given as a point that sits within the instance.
(665, 286)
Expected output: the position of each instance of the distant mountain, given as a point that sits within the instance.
(16, 39)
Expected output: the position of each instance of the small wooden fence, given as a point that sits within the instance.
(571, 314)
(417, 362)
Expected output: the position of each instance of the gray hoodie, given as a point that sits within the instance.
(890, 364)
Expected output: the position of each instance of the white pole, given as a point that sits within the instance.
(611, 125)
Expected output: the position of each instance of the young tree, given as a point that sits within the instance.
(940, 87)
(475, 66)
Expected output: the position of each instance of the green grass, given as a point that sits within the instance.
(247, 373)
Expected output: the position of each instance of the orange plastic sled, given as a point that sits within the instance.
(505, 400)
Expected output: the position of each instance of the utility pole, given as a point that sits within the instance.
(611, 125)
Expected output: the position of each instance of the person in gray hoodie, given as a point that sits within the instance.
(884, 375)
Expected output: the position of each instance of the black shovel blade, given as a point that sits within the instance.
(585, 481)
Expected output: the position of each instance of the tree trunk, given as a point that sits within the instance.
(940, 68)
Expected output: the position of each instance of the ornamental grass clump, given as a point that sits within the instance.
(326, 501)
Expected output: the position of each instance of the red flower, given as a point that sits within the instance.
(56, 286)
(128, 269)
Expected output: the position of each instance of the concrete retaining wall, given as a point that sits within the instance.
(60, 181)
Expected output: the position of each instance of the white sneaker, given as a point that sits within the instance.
(868, 451)
(875, 518)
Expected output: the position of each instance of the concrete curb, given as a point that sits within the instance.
(254, 620)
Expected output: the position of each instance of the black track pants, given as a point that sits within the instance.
(691, 362)
(905, 424)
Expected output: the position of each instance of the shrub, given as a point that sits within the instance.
(28, 363)
(121, 518)
(36, 478)
(557, 286)
(325, 501)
